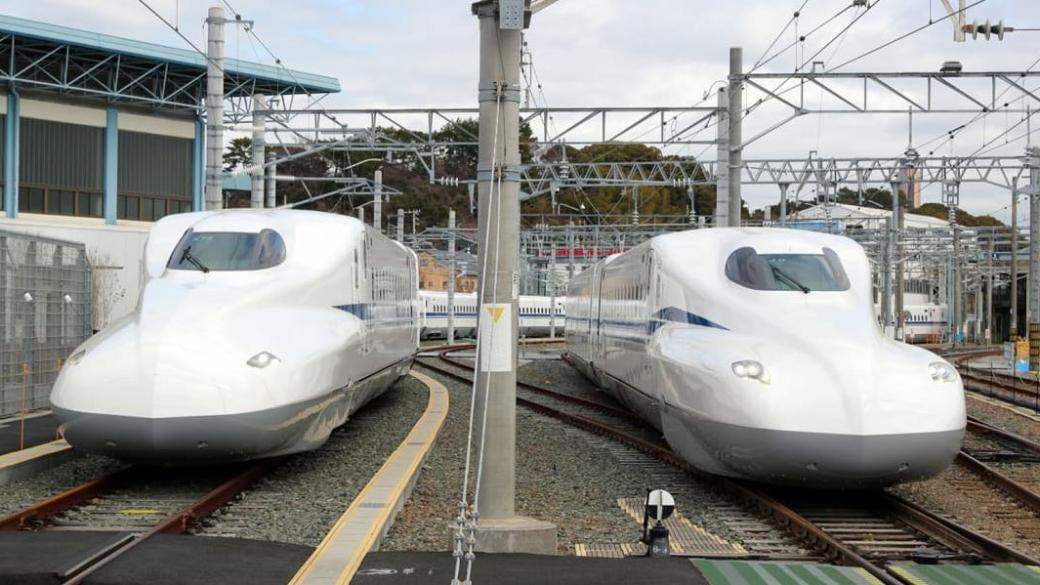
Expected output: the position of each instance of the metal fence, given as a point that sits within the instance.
(45, 312)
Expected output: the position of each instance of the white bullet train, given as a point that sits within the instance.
(536, 315)
(757, 354)
(257, 333)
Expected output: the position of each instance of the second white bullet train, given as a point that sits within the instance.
(539, 317)
(257, 333)
(757, 354)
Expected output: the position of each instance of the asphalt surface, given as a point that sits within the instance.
(40, 558)
(38, 430)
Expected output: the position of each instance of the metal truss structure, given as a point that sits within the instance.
(361, 129)
(1000, 171)
(897, 93)
(132, 72)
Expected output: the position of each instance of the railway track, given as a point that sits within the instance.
(871, 530)
(1010, 388)
(135, 504)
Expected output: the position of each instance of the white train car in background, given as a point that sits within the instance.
(257, 333)
(756, 353)
(536, 315)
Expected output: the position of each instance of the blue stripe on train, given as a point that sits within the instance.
(668, 314)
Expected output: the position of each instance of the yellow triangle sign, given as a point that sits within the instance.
(496, 313)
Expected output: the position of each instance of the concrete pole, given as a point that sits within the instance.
(400, 225)
(270, 186)
(783, 203)
(900, 265)
(722, 155)
(989, 288)
(1033, 299)
(886, 279)
(498, 192)
(361, 214)
(215, 108)
(451, 276)
(377, 201)
(256, 195)
(1013, 318)
(635, 205)
(955, 302)
(735, 95)
(570, 251)
(551, 283)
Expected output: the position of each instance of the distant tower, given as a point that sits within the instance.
(903, 175)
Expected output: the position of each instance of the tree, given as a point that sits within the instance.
(238, 154)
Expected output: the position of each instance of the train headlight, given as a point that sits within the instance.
(752, 370)
(76, 357)
(263, 359)
(942, 372)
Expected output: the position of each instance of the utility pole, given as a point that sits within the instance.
(551, 283)
(451, 276)
(989, 288)
(215, 108)
(783, 203)
(256, 194)
(736, 110)
(400, 225)
(498, 193)
(722, 155)
(270, 186)
(953, 280)
(377, 201)
(887, 316)
(1033, 300)
(1013, 320)
(361, 214)
(570, 251)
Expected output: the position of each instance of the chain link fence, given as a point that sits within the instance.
(45, 312)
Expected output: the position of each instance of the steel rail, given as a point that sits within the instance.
(603, 408)
(179, 522)
(40, 511)
(1022, 493)
(934, 526)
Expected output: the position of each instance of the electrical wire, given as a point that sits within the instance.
(905, 35)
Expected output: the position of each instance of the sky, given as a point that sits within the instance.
(423, 53)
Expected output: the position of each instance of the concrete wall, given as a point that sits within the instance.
(115, 251)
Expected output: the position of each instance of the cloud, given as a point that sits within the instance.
(608, 52)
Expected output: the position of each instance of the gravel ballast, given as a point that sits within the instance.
(563, 476)
(24, 492)
(300, 500)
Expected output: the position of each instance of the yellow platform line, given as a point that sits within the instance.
(23, 463)
(369, 516)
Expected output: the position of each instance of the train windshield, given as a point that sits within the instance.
(227, 251)
(794, 272)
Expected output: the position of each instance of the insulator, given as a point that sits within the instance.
(987, 29)
(999, 30)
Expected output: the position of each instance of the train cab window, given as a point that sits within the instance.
(227, 251)
(787, 272)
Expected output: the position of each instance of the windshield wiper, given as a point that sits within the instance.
(789, 279)
(187, 256)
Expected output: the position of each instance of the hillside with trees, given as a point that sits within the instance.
(406, 172)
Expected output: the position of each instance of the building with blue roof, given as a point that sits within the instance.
(103, 135)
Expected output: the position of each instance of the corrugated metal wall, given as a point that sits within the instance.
(154, 165)
(60, 154)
